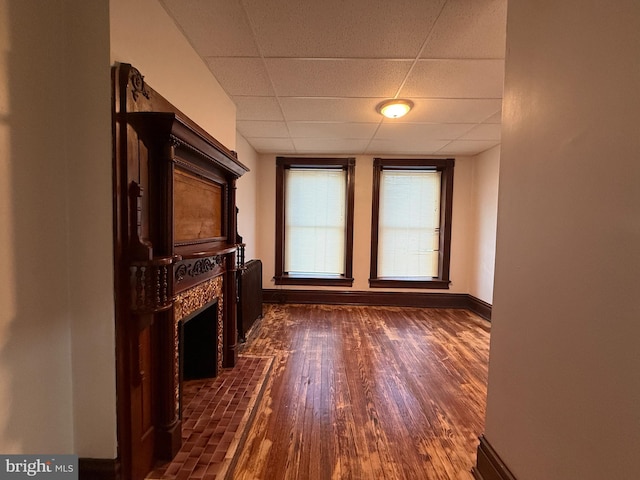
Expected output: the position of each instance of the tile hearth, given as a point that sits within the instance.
(217, 415)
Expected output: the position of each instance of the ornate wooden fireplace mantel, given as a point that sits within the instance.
(175, 233)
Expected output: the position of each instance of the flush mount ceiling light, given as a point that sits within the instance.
(394, 108)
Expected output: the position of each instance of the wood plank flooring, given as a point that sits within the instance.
(367, 393)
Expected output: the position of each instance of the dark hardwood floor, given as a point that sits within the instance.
(367, 393)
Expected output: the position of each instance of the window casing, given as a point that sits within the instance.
(411, 223)
(314, 221)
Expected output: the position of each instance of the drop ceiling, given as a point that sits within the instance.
(306, 75)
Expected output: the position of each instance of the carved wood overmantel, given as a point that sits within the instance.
(175, 247)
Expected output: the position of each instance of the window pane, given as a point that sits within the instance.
(315, 221)
(409, 223)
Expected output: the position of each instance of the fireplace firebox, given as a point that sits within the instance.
(199, 344)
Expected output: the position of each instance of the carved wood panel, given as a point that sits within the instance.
(197, 207)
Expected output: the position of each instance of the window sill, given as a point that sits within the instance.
(320, 281)
(408, 282)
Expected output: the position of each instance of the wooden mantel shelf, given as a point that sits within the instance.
(208, 253)
(184, 133)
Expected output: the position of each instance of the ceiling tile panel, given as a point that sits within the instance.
(257, 108)
(241, 76)
(338, 28)
(495, 118)
(467, 147)
(451, 110)
(253, 128)
(336, 78)
(215, 27)
(455, 79)
(272, 145)
(332, 130)
(330, 109)
(485, 131)
(421, 131)
(416, 146)
(469, 29)
(330, 145)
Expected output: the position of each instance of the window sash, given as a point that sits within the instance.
(409, 223)
(315, 221)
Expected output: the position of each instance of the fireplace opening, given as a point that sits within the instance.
(199, 345)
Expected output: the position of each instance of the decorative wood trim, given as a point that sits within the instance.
(230, 328)
(375, 220)
(389, 299)
(99, 469)
(445, 218)
(480, 307)
(194, 299)
(337, 281)
(151, 285)
(445, 166)
(347, 165)
(197, 297)
(137, 84)
(399, 283)
(489, 465)
(279, 253)
(190, 272)
(197, 267)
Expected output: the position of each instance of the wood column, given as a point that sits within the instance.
(230, 353)
(168, 422)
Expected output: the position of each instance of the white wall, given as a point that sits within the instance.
(461, 235)
(484, 207)
(564, 376)
(246, 197)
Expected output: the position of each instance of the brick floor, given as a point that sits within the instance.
(216, 416)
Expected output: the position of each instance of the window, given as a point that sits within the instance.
(314, 221)
(411, 223)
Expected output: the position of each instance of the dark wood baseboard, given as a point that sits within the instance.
(489, 465)
(479, 307)
(388, 299)
(99, 469)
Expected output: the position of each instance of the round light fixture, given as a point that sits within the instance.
(395, 108)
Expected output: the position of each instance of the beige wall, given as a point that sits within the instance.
(484, 213)
(246, 196)
(461, 235)
(265, 216)
(564, 376)
(90, 238)
(56, 258)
